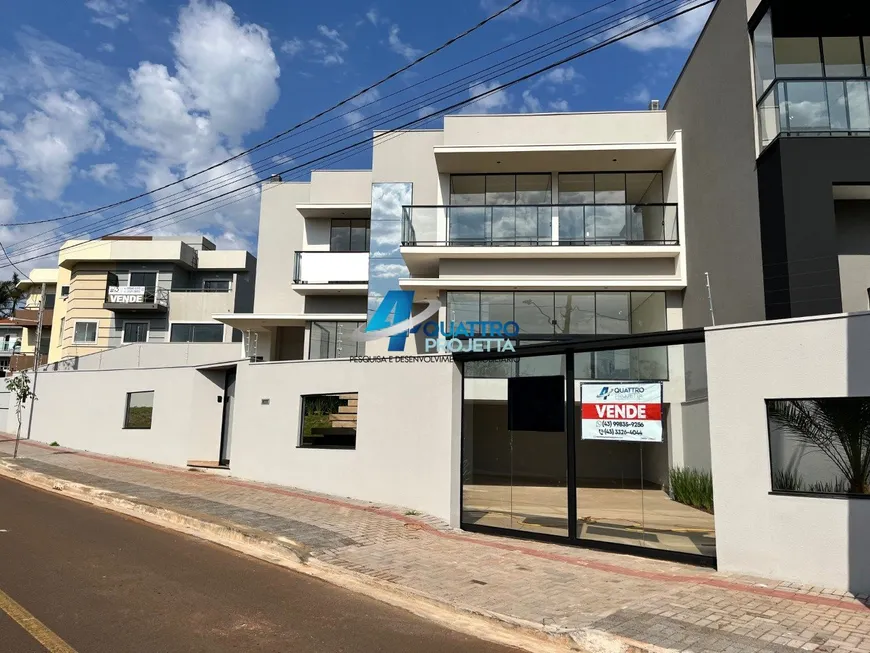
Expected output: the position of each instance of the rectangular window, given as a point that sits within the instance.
(49, 301)
(798, 57)
(333, 340)
(819, 445)
(349, 235)
(138, 411)
(842, 56)
(329, 421)
(215, 285)
(64, 291)
(85, 332)
(762, 40)
(60, 340)
(135, 332)
(196, 333)
(147, 279)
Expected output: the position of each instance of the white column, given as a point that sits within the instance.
(555, 200)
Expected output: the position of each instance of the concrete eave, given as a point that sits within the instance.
(335, 210)
(268, 321)
(544, 283)
(330, 288)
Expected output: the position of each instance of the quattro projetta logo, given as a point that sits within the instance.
(393, 319)
(607, 391)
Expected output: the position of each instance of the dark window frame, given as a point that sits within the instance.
(127, 426)
(206, 288)
(96, 324)
(300, 442)
(127, 323)
(352, 223)
(191, 326)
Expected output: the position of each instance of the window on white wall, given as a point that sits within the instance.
(85, 332)
(139, 410)
(329, 421)
(196, 333)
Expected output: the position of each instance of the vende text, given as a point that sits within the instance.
(622, 411)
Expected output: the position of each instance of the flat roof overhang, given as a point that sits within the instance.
(544, 283)
(335, 210)
(268, 321)
(425, 259)
(546, 158)
(330, 288)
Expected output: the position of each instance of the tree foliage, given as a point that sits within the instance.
(10, 296)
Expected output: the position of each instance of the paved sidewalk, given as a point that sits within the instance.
(617, 601)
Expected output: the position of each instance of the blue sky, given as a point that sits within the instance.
(103, 99)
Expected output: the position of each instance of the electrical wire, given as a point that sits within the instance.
(435, 113)
(248, 171)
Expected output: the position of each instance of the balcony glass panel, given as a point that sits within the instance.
(608, 223)
(501, 189)
(467, 189)
(842, 56)
(534, 189)
(469, 225)
(859, 106)
(798, 57)
(765, 68)
(610, 188)
(576, 189)
(807, 106)
(838, 114)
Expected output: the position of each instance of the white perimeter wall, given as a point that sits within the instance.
(813, 540)
(407, 443)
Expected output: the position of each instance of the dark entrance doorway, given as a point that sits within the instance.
(227, 421)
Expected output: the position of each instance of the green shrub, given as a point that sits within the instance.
(787, 480)
(693, 487)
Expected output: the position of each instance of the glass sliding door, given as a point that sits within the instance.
(515, 447)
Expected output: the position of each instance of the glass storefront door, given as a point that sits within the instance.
(624, 489)
(515, 466)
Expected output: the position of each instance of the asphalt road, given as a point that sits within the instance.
(105, 583)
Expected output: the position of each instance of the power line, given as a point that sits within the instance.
(393, 74)
(405, 126)
(373, 119)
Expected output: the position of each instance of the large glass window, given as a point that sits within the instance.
(135, 332)
(797, 56)
(329, 421)
(139, 410)
(349, 235)
(146, 279)
(842, 56)
(821, 446)
(85, 332)
(765, 70)
(196, 333)
(333, 340)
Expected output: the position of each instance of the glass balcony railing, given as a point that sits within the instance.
(807, 107)
(546, 224)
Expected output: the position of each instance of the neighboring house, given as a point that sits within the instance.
(120, 290)
(775, 109)
(10, 344)
(28, 315)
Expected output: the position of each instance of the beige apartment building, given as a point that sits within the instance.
(122, 290)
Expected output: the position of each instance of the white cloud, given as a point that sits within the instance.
(531, 104)
(426, 111)
(110, 13)
(328, 52)
(6, 158)
(539, 11)
(640, 94)
(369, 97)
(106, 47)
(680, 33)
(560, 75)
(281, 159)
(388, 270)
(494, 101)
(558, 105)
(292, 47)
(8, 209)
(7, 119)
(226, 82)
(102, 173)
(51, 137)
(372, 16)
(401, 48)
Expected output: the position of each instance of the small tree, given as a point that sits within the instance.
(19, 388)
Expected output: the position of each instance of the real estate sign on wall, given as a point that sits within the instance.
(127, 294)
(621, 411)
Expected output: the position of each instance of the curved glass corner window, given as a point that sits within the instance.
(820, 446)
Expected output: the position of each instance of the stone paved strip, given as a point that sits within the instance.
(566, 589)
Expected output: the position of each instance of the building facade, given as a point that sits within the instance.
(121, 290)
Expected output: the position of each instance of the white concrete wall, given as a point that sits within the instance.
(407, 446)
(85, 410)
(813, 540)
(341, 187)
(556, 128)
(326, 267)
(147, 355)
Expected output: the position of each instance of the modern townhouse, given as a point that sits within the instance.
(602, 248)
(123, 290)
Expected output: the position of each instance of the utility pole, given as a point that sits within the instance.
(710, 298)
(36, 356)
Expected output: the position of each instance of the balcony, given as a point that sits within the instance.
(152, 299)
(814, 107)
(32, 315)
(331, 272)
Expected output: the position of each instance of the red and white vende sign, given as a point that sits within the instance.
(621, 411)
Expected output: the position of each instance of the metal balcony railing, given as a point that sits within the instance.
(538, 225)
(812, 107)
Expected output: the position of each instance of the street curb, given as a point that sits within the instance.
(490, 626)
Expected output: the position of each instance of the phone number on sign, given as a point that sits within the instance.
(619, 424)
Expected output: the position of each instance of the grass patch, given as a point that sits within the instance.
(54, 444)
(692, 487)
(411, 513)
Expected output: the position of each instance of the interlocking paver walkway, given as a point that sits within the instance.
(566, 589)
